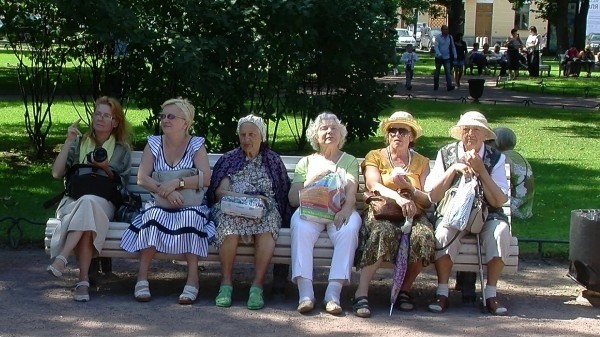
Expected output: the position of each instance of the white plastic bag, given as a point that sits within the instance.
(457, 213)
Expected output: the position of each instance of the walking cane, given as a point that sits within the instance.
(479, 258)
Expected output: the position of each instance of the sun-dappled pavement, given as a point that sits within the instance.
(541, 299)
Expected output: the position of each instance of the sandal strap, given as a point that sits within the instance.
(62, 258)
(142, 288)
(82, 284)
(190, 292)
(361, 302)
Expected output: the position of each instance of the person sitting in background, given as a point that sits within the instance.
(586, 57)
(570, 62)
(521, 174)
(461, 54)
(251, 170)
(409, 57)
(498, 57)
(477, 58)
(84, 221)
(327, 136)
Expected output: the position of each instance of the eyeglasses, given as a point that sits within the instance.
(100, 115)
(169, 116)
(400, 131)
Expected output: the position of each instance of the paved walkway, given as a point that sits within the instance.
(422, 88)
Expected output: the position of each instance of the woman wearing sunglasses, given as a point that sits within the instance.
(394, 167)
(177, 229)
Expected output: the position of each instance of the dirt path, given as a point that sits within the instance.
(541, 300)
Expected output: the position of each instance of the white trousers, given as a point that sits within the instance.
(304, 236)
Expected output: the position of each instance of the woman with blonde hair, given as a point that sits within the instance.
(84, 220)
(387, 171)
(177, 227)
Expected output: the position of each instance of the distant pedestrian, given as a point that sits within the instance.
(409, 57)
(513, 45)
(445, 54)
(459, 63)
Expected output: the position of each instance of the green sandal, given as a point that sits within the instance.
(223, 299)
(255, 298)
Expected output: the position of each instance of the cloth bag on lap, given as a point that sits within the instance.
(191, 197)
(463, 207)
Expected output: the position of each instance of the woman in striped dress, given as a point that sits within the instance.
(177, 230)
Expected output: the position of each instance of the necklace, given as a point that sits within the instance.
(405, 166)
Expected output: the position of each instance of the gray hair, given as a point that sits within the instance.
(505, 139)
(185, 106)
(313, 128)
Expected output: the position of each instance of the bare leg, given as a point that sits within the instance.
(366, 275)
(413, 270)
(146, 256)
(85, 251)
(227, 252)
(494, 269)
(71, 241)
(192, 272)
(264, 245)
(443, 266)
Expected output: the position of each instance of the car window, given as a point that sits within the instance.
(402, 32)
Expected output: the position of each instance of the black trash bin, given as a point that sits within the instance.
(476, 86)
(584, 248)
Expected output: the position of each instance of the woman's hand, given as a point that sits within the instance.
(104, 166)
(341, 218)
(463, 169)
(72, 131)
(175, 198)
(474, 161)
(401, 181)
(166, 188)
(409, 209)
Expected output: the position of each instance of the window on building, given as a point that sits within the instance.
(522, 17)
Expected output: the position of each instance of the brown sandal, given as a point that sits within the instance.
(495, 307)
(439, 305)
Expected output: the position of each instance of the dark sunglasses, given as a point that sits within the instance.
(169, 116)
(402, 131)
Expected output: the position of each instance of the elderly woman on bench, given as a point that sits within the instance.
(84, 221)
(379, 238)
(251, 171)
(327, 136)
(471, 157)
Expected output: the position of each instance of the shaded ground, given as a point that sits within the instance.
(541, 299)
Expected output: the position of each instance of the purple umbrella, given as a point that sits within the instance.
(401, 263)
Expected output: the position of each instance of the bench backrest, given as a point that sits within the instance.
(290, 164)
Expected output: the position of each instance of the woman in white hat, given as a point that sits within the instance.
(471, 157)
(387, 170)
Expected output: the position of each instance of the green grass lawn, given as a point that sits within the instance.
(561, 146)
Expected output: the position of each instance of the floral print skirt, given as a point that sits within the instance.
(380, 238)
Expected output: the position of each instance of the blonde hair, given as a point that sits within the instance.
(185, 106)
(313, 128)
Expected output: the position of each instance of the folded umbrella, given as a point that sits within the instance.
(401, 262)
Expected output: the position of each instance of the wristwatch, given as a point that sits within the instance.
(181, 183)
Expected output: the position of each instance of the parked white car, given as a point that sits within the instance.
(404, 38)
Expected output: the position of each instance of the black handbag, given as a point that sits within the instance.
(131, 205)
(85, 179)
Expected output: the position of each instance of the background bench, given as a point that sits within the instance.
(466, 261)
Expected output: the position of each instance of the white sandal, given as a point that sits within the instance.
(82, 297)
(53, 270)
(189, 294)
(142, 291)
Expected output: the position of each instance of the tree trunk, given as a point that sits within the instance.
(562, 38)
(456, 17)
(581, 23)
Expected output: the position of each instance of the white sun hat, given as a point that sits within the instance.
(472, 118)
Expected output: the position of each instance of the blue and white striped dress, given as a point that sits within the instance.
(171, 231)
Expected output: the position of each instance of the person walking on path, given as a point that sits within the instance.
(445, 53)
